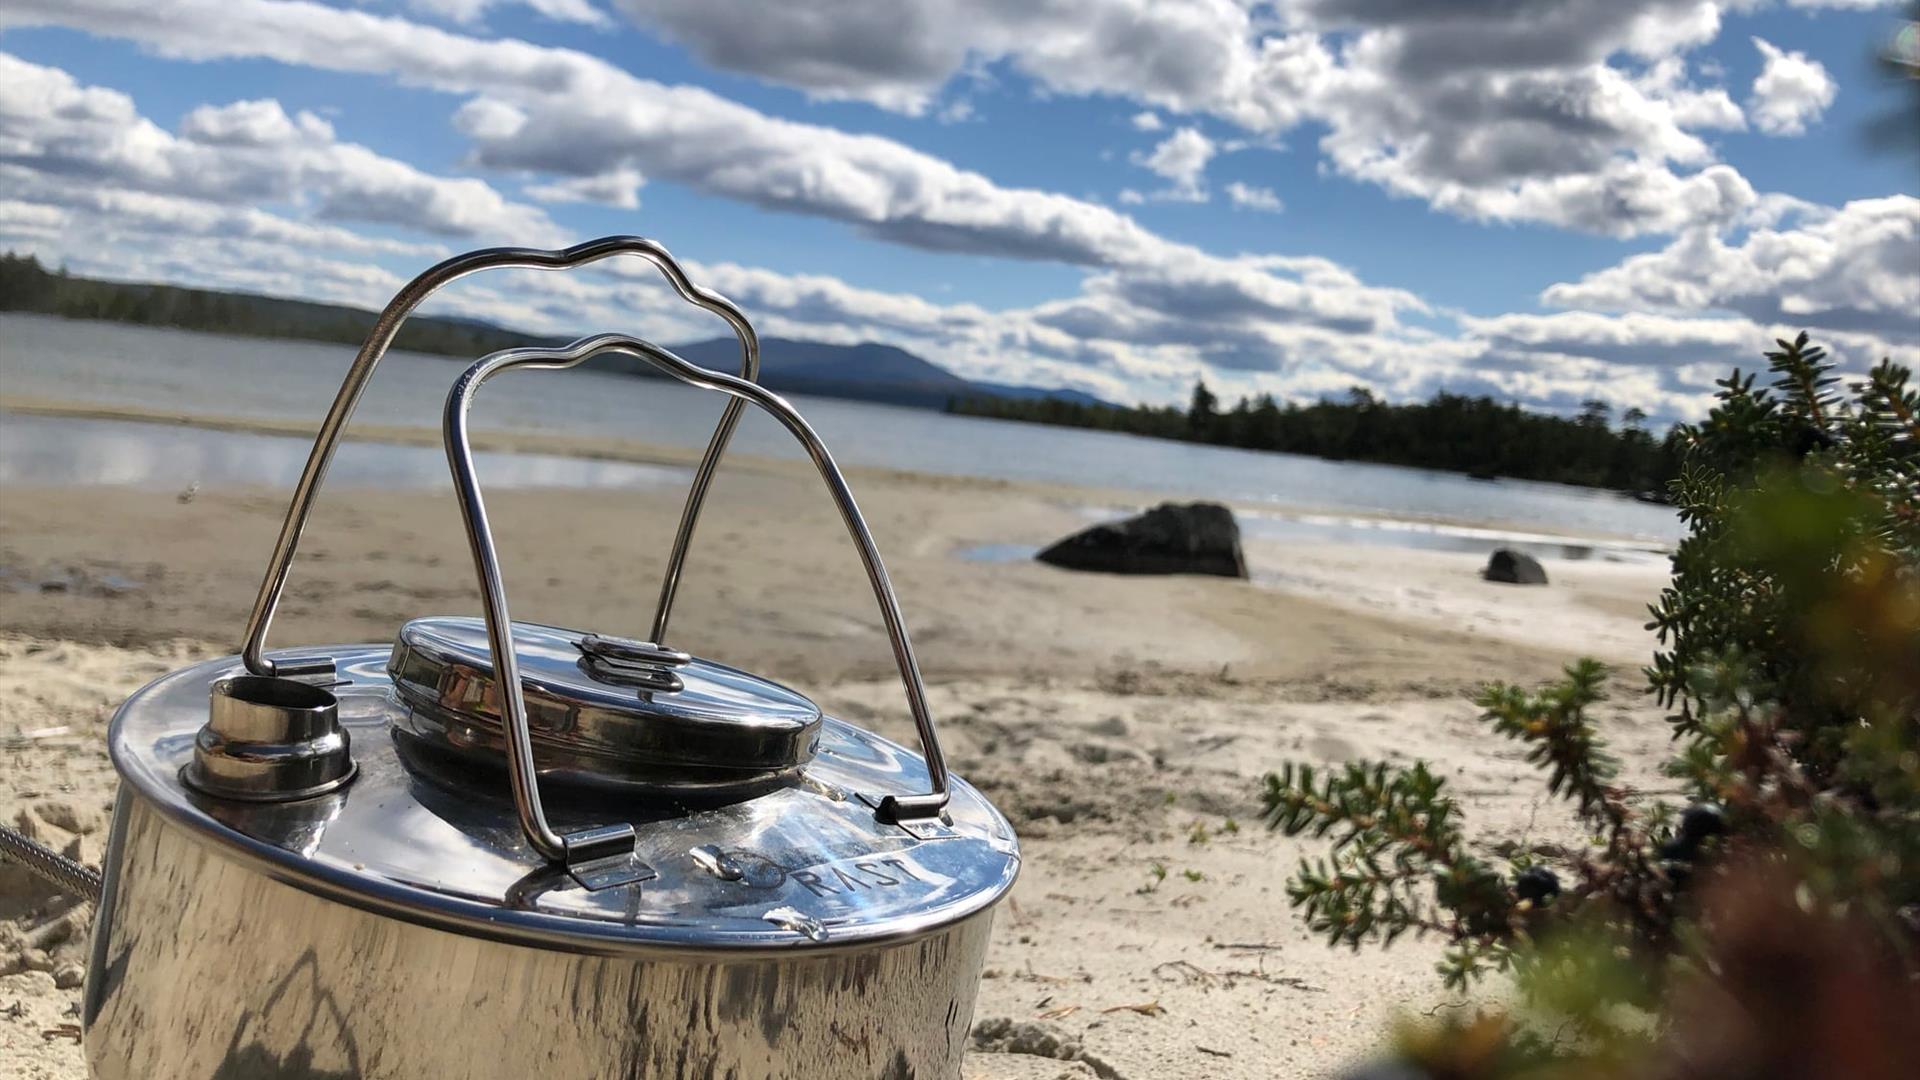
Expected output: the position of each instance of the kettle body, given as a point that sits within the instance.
(239, 940)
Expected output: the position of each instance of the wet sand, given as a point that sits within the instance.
(1122, 723)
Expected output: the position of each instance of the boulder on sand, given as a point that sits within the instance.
(1195, 538)
(1514, 568)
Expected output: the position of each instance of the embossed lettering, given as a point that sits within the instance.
(870, 869)
(813, 883)
(850, 882)
(902, 867)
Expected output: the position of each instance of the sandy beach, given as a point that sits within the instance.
(1122, 723)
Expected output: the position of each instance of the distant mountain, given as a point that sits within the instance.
(867, 372)
(1035, 393)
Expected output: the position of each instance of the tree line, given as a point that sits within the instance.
(1474, 435)
(26, 285)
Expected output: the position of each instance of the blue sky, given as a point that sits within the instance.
(1544, 200)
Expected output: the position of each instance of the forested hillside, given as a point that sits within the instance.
(1474, 435)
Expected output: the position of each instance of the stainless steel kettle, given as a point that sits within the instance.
(502, 849)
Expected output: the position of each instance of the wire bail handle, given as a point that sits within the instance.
(380, 339)
(906, 810)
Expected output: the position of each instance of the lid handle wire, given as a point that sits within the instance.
(473, 510)
(380, 339)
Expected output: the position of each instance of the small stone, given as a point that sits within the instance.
(69, 975)
(1514, 568)
(1172, 538)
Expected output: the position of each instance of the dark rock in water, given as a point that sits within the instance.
(1515, 568)
(1195, 538)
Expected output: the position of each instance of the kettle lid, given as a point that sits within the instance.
(604, 713)
(805, 863)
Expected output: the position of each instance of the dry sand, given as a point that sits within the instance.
(1122, 723)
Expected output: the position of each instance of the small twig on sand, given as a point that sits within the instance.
(1056, 980)
(1188, 972)
(1211, 1050)
(1144, 1008)
(1245, 945)
(1194, 974)
(1289, 981)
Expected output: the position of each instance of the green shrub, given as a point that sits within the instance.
(1789, 659)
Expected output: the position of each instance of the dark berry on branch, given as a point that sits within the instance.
(1536, 883)
(1702, 820)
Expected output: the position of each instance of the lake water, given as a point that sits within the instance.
(176, 370)
(64, 451)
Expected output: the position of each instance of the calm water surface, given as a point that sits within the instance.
(62, 451)
(122, 365)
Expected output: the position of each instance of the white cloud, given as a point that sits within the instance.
(619, 188)
(1498, 118)
(31, 221)
(1188, 57)
(1147, 121)
(1476, 109)
(569, 115)
(1855, 269)
(247, 152)
(253, 123)
(1689, 352)
(489, 118)
(1250, 197)
(1692, 106)
(62, 202)
(1181, 159)
(1790, 91)
(1476, 112)
(470, 12)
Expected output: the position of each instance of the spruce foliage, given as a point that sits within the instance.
(1789, 663)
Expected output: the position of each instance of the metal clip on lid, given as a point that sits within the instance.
(637, 663)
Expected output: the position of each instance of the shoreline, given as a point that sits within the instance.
(633, 451)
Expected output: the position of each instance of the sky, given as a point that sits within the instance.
(1542, 200)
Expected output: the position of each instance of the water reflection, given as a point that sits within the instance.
(1438, 536)
(1376, 532)
(62, 452)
